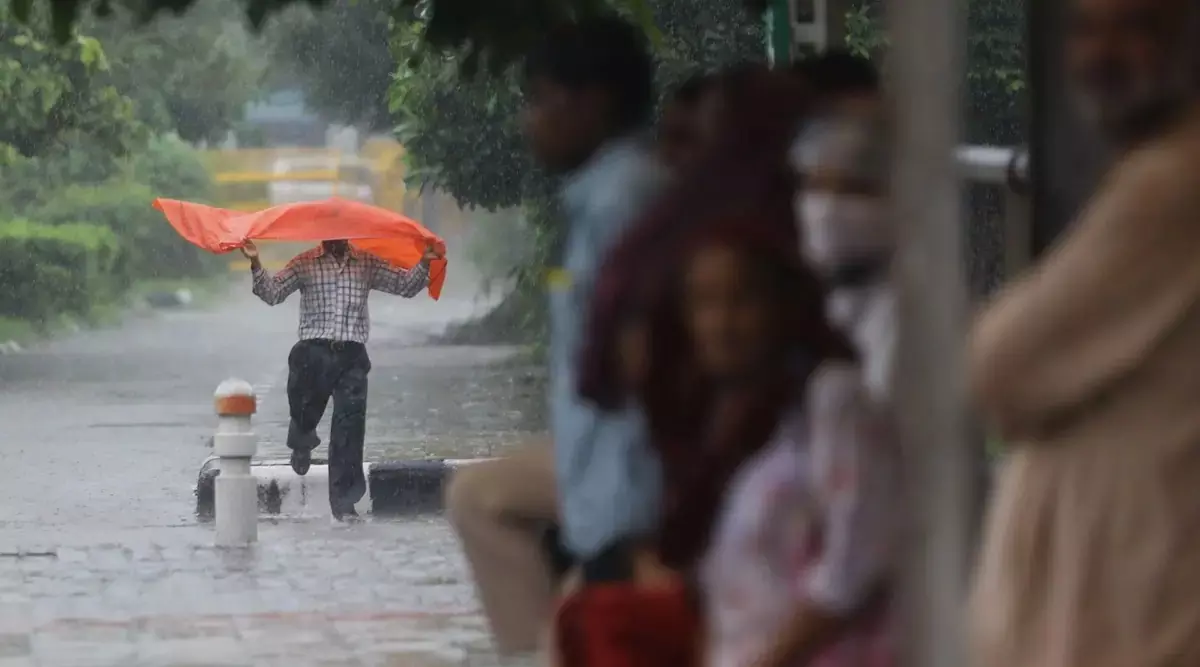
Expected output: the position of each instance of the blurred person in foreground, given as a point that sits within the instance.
(841, 158)
(1087, 367)
(744, 170)
(589, 92)
(844, 85)
(651, 614)
(780, 494)
(797, 569)
(330, 361)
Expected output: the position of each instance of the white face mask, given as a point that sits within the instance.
(837, 228)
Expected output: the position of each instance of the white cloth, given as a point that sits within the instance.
(868, 315)
(810, 519)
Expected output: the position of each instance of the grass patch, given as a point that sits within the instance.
(19, 330)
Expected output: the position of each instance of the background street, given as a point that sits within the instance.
(102, 434)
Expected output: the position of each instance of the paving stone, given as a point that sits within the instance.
(15, 646)
(208, 651)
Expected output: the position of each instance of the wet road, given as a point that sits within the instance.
(101, 437)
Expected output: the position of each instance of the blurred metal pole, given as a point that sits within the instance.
(925, 76)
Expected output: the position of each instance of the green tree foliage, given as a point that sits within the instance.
(462, 132)
(703, 36)
(172, 169)
(995, 108)
(191, 74)
(497, 31)
(55, 94)
(51, 270)
(996, 88)
(80, 164)
(996, 92)
(339, 55)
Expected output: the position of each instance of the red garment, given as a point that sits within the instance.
(629, 625)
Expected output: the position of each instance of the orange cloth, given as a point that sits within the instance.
(397, 239)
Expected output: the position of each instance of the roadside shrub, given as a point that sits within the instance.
(154, 249)
(47, 270)
(77, 228)
(171, 168)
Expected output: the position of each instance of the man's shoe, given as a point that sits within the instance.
(301, 461)
(347, 516)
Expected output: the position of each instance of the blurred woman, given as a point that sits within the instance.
(633, 606)
(796, 561)
(799, 569)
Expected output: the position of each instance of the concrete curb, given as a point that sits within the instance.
(394, 488)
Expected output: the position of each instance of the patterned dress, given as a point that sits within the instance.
(810, 520)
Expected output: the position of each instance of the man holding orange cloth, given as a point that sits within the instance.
(334, 281)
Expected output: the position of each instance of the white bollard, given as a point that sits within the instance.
(235, 502)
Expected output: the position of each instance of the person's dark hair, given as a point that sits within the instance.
(690, 92)
(741, 194)
(745, 170)
(607, 52)
(760, 110)
(699, 464)
(836, 72)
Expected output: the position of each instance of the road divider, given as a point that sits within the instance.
(394, 488)
(234, 446)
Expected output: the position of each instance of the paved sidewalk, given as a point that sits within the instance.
(311, 593)
(286, 639)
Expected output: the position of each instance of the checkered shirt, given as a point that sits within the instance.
(333, 292)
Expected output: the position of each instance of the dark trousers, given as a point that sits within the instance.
(318, 370)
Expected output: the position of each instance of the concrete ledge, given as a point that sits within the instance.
(394, 488)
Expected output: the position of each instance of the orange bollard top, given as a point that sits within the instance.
(235, 398)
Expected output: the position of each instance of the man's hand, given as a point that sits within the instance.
(431, 252)
(250, 251)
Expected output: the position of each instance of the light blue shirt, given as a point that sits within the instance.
(609, 478)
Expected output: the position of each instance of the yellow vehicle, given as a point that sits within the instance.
(254, 179)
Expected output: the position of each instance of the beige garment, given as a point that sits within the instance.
(1090, 368)
(501, 510)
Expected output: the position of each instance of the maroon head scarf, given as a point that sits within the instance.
(746, 169)
(700, 457)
